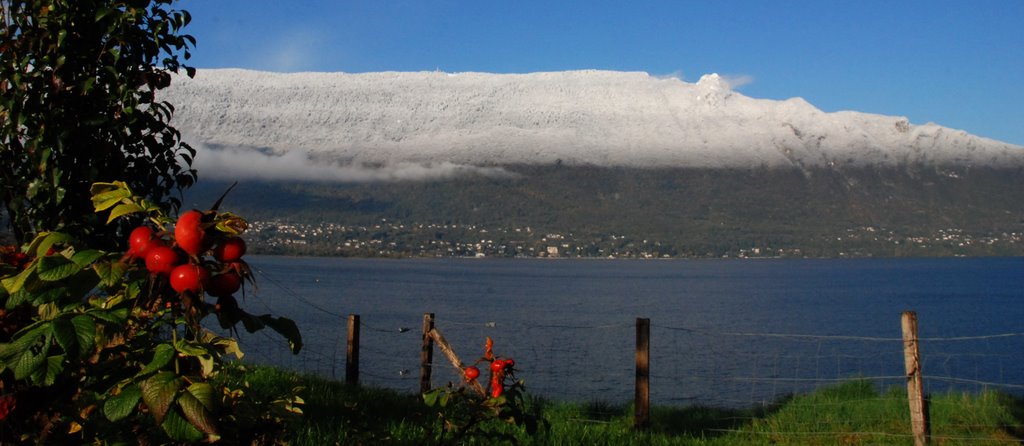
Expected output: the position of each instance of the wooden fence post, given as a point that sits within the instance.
(446, 348)
(915, 383)
(427, 353)
(642, 400)
(352, 357)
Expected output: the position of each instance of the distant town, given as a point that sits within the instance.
(395, 239)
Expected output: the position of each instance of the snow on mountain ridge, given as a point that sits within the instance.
(576, 117)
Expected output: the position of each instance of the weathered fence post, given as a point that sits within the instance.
(352, 357)
(642, 400)
(427, 353)
(915, 383)
(446, 348)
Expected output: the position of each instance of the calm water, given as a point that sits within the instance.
(725, 332)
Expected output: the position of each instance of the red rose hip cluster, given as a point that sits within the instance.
(501, 368)
(195, 258)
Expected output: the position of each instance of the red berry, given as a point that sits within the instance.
(496, 390)
(471, 373)
(138, 241)
(497, 365)
(16, 259)
(189, 277)
(224, 284)
(230, 250)
(161, 260)
(189, 234)
(7, 404)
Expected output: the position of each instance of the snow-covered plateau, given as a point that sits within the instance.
(601, 118)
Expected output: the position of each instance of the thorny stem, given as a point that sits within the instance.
(174, 340)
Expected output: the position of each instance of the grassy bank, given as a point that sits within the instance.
(850, 414)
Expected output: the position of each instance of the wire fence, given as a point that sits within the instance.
(689, 366)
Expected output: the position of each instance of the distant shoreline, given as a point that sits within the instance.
(638, 259)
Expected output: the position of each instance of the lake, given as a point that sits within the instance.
(723, 332)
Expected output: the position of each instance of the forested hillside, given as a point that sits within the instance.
(678, 212)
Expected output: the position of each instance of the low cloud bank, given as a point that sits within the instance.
(736, 81)
(426, 125)
(248, 164)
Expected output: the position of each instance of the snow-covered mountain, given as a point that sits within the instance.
(575, 117)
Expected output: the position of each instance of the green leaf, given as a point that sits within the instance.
(122, 404)
(42, 297)
(28, 364)
(56, 267)
(99, 205)
(59, 193)
(204, 393)
(151, 207)
(291, 404)
(205, 365)
(64, 332)
(103, 12)
(17, 298)
(33, 188)
(48, 311)
(287, 328)
(251, 323)
(54, 365)
(430, 397)
(158, 393)
(85, 258)
(106, 195)
(123, 209)
(162, 355)
(134, 288)
(14, 284)
(189, 348)
(111, 273)
(178, 428)
(85, 331)
(24, 340)
(226, 346)
(196, 413)
(116, 316)
(45, 240)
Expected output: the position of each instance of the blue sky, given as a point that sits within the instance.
(956, 63)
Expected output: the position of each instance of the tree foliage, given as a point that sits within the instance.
(78, 105)
(96, 347)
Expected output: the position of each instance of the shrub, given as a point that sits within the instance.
(96, 346)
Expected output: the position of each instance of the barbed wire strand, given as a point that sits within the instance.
(264, 275)
(835, 337)
(951, 379)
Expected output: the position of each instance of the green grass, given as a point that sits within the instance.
(853, 413)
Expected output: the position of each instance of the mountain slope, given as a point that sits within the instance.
(599, 118)
(620, 164)
(675, 211)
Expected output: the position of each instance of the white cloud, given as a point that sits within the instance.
(237, 164)
(677, 75)
(293, 51)
(737, 80)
